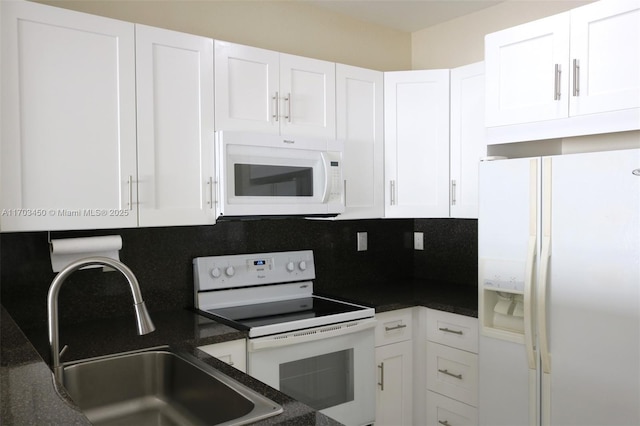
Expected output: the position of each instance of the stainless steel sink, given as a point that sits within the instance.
(161, 387)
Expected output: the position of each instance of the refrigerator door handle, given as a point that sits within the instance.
(545, 357)
(529, 335)
(530, 273)
(545, 255)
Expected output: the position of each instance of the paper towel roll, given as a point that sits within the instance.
(67, 250)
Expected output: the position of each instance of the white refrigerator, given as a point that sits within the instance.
(559, 290)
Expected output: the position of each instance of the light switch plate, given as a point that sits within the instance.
(418, 240)
(362, 241)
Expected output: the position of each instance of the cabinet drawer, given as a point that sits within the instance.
(443, 411)
(233, 353)
(394, 326)
(457, 331)
(452, 372)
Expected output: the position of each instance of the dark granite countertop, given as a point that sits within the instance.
(30, 397)
(451, 297)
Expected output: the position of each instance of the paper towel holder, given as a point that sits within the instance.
(67, 250)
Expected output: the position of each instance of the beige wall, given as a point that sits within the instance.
(302, 29)
(290, 27)
(461, 41)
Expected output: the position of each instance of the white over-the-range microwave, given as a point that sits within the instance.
(262, 175)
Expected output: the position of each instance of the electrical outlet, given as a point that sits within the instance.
(418, 241)
(362, 241)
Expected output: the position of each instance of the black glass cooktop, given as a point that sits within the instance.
(270, 313)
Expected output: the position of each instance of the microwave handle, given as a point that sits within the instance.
(327, 177)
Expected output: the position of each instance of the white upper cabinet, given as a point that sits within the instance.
(417, 143)
(266, 91)
(578, 71)
(69, 120)
(359, 116)
(175, 127)
(467, 139)
(246, 88)
(308, 89)
(605, 51)
(527, 72)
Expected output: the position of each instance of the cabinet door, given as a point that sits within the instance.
(449, 412)
(467, 139)
(308, 97)
(417, 143)
(605, 53)
(175, 127)
(453, 373)
(395, 385)
(69, 120)
(233, 352)
(246, 88)
(359, 106)
(454, 330)
(527, 72)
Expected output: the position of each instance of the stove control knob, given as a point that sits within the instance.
(302, 265)
(290, 266)
(216, 272)
(230, 271)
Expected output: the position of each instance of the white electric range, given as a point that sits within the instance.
(316, 349)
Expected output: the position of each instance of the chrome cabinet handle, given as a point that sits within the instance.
(444, 422)
(130, 192)
(396, 327)
(392, 189)
(576, 77)
(457, 376)
(288, 100)
(345, 193)
(448, 330)
(381, 382)
(556, 88)
(276, 99)
(210, 183)
(453, 192)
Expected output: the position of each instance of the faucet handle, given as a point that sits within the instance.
(64, 349)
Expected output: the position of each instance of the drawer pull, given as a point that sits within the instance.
(444, 422)
(381, 382)
(457, 376)
(448, 330)
(396, 327)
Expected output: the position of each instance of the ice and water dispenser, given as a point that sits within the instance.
(502, 297)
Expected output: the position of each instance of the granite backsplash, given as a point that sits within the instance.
(161, 258)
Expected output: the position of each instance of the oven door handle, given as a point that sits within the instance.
(309, 335)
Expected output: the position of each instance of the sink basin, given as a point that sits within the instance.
(161, 387)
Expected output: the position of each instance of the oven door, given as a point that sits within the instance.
(330, 368)
(267, 175)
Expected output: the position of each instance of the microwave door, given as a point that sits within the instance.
(266, 180)
(269, 180)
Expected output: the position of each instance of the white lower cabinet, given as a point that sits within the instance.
(452, 369)
(449, 412)
(394, 360)
(452, 372)
(233, 352)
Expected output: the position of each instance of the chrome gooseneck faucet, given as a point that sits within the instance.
(144, 323)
